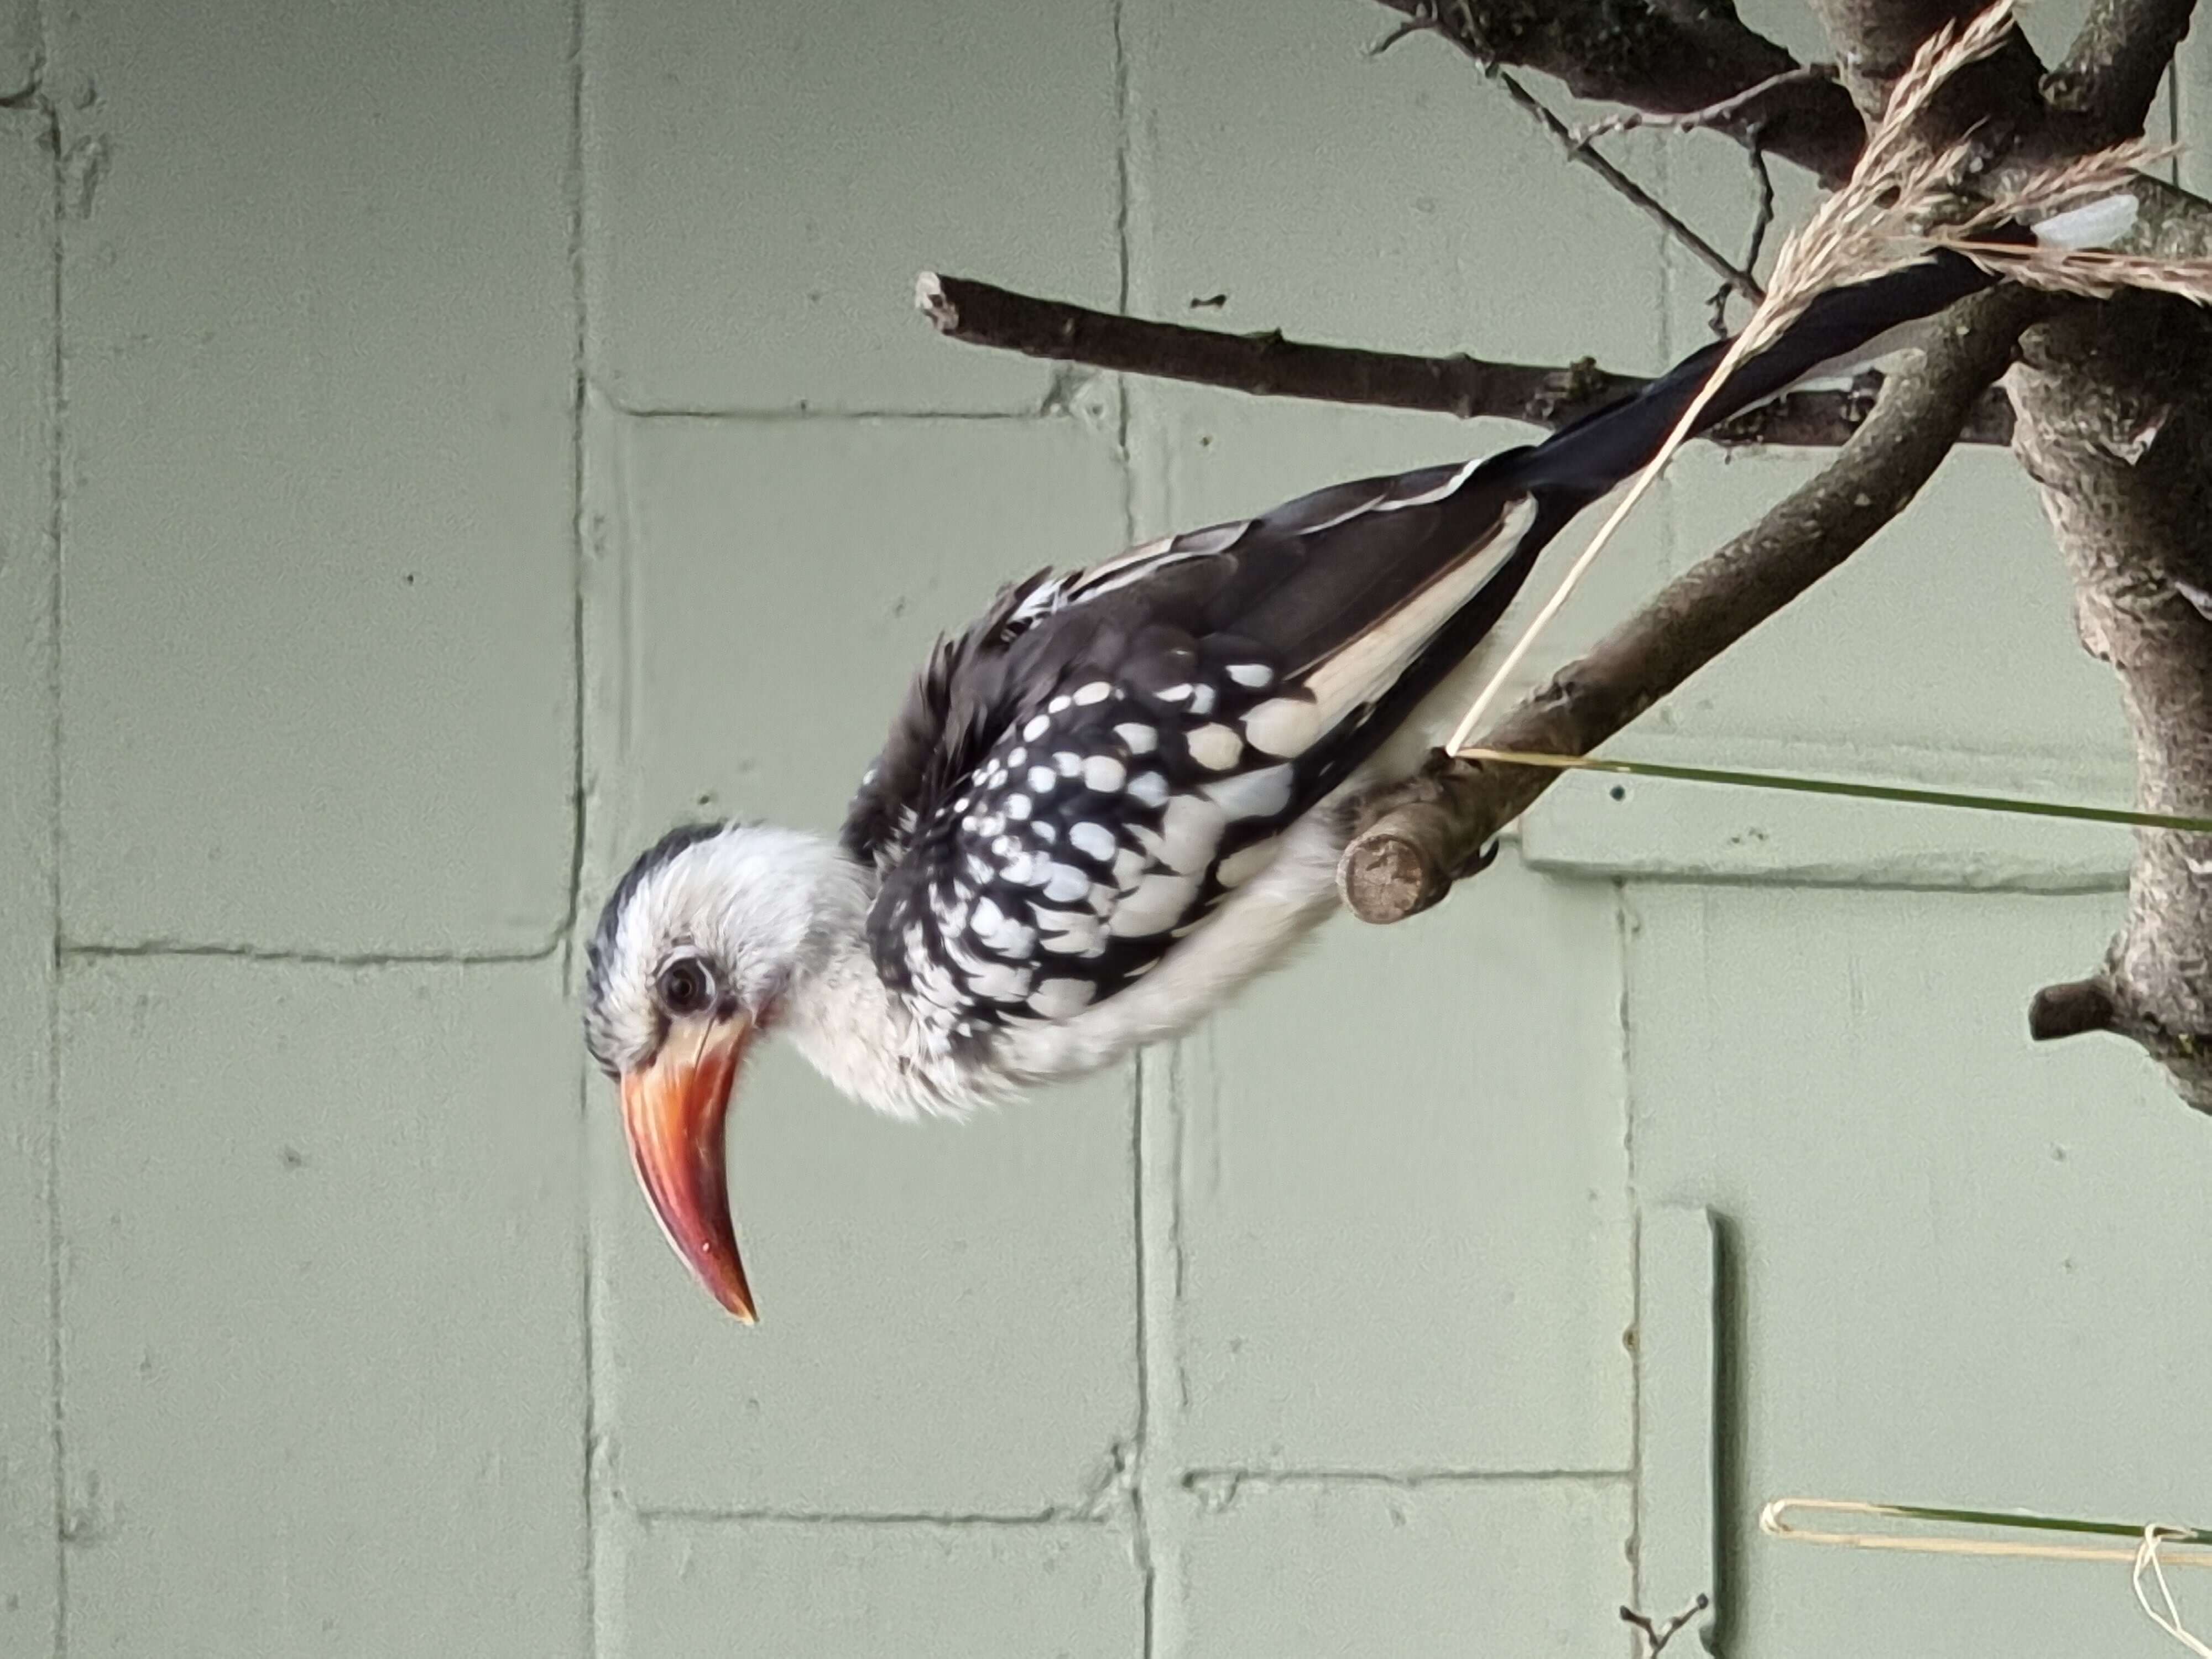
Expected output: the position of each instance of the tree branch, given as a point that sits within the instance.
(1267, 365)
(2116, 65)
(2070, 1010)
(1669, 60)
(1876, 39)
(1418, 838)
(2116, 429)
(1728, 112)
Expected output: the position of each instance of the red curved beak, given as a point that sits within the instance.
(673, 1108)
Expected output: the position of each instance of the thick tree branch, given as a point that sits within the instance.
(1267, 365)
(1666, 59)
(1876, 39)
(1418, 838)
(2115, 406)
(2116, 431)
(2115, 67)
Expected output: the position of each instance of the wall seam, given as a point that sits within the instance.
(1200, 1479)
(580, 800)
(1054, 408)
(1139, 1474)
(1621, 944)
(67, 950)
(57, 528)
(1055, 1518)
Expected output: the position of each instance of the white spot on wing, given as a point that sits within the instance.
(1141, 740)
(1283, 725)
(1103, 772)
(1000, 932)
(1259, 794)
(1000, 981)
(1071, 933)
(1215, 747)
(1096, 691)
(1189, 831)
(1066, 882)
(1156, 905)
(1094, 839)
(1252, 674)
(1149, 787)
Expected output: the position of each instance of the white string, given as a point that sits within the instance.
(1646, 477)
(2147, 1560)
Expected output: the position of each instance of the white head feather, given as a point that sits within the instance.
(763, 906)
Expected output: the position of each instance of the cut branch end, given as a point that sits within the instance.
(1386, 876)
(2070, 1009)
(931, 299)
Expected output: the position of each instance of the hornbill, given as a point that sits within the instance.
(1118, 796)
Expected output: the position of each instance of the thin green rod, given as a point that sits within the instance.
(2042, 1523)
(2040, 809)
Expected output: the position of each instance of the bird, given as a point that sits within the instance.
(1116, 797)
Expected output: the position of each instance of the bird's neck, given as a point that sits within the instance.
(855, 1030)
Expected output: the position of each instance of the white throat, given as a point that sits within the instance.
(860, 1035)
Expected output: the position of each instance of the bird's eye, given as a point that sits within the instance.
(685, 986)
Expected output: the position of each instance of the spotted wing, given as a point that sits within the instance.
(1080, 779)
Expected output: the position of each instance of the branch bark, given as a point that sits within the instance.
(2117, 430)
(1876, 39)
(2115, 67)
(1269, 366)
(1419, 836)
(1664, 59)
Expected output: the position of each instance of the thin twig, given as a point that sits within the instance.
(1417, 22)
(1761, 220)
(1267, 365)
(1742, 280)
(1712, 115)
(1656, 1636)
(1663, 57)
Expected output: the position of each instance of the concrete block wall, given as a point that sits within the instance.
(439, 447)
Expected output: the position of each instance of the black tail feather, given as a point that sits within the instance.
(1581, 462)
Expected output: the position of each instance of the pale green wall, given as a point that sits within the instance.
(448, 418)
